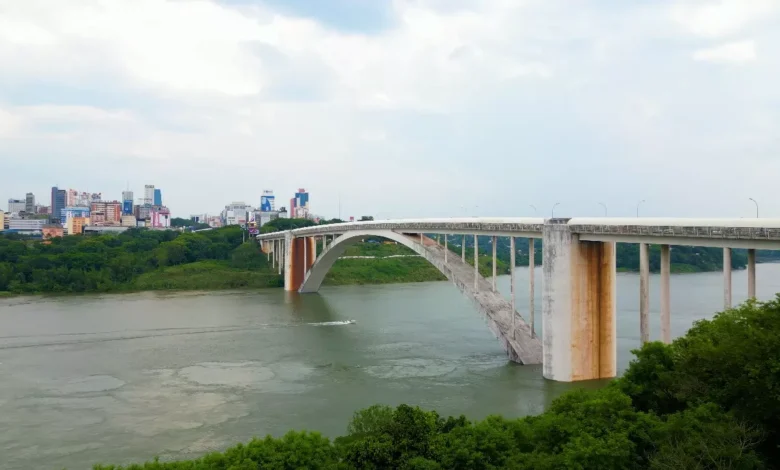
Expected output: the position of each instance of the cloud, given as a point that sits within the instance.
(495, 103)
(718, 18)
(733, 52)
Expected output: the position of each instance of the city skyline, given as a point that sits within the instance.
(404, 108)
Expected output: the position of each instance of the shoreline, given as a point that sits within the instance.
(6, 295)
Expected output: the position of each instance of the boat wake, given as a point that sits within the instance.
(333, 323)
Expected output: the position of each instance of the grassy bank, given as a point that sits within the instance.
(384, 269)
(206, 275)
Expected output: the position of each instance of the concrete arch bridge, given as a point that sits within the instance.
(578, 306)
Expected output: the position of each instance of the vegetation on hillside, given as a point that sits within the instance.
(137, 259)
(707, 401)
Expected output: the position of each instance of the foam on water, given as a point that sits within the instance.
(333, 323)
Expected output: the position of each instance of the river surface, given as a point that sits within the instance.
(124, 378)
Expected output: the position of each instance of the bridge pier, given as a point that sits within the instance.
(644, 292)
(580, 337)
(751, 271)
(531, 286)
(299, 259)
(666, 314)
(727, 278)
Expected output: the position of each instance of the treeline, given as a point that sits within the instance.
(112, 262)
(707, 401)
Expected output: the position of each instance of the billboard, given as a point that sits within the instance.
(266, 203)
(127, 207)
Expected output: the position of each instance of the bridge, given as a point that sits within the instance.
(579, 335)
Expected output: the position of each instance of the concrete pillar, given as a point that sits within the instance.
(531, 284)
(644, 292)
(446, 250)
(476, 264)
(666, 314)
(751, 273)
(438, 239)
(463, 249)
(305, 257)
(422, 242)
(578, 307)
(727, 278)
(291, 283)
(494, 263)
(512, 251)
(281, 256)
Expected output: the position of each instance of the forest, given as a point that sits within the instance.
(707, 401)
(137, 259)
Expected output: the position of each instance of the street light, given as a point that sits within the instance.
(553, 209)
(534, 208)
(637, 207)
(756, 203)
(605, 208)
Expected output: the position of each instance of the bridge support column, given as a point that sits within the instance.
(513, 250)
(446, 250)
(300, 254)
(751, 271)
(463, 249)
(531, 286)
(644, 292)
(476, 263)
(666, 314)
(494, 262)
(579, 334)
(727, 278)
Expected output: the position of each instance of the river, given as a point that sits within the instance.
(124, 378)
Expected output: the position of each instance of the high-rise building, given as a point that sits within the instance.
(2, 221)
(58, 199)
(127, 202)
(157, 198)
(299, 205)
(72, 198)
(148, 194)
(16, 205)
(106, 212)
(237, 213)
(29, 203)
(160, 217)
(267, 201)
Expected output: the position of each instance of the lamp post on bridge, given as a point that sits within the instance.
(605, 208)
(637, 206)
(756, 203)
(553, 209)
(534, 208)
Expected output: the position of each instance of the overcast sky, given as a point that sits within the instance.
(402, 108)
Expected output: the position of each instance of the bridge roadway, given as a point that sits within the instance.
(578, 305)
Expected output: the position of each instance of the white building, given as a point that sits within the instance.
(149, 194)
(16, 205)
(237, 213)
(27, 225)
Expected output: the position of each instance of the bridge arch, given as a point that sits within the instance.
(514, 334)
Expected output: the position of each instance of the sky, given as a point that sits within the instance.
(398, 108)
